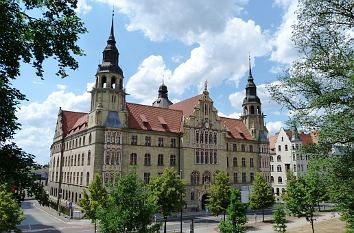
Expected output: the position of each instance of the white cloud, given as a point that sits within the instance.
(285, 52)
(219, 57)
(38, 120)
(274, 127)
(83, 7)
(235, 115)
(182, 19)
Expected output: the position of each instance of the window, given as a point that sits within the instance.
(286, 147)
(81, 177)
(197, 136)
(133, 159)
(134, 140)
(211, 138)
(160, 160)
(206, 158)
(215, 157)
(82, 159)
(173, 142)
(206, 179)
(272, 168)
(251, 148)
(243, 177)
(88, 157)
(279, 148)
(108, 158)
(197, 157)
(147, 159)
(192, 196)
(201, 136)
(243, 149)
(278, 158)
(271, 159)
(272, 179)
(206, 137)
(172, 160)
(280, 180)
(215, 139)
(87, 178)
(243, 162)
(294, 168)
(195, 178)
(74, 161)
(160, 142)
(279, 168)
(251, 162)
(235, 178)
(146, 177)
(234, 162)
(147, 141)
(90, 139)
(234, 147)
(252, 177)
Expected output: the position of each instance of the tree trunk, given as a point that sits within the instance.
(165, 220)
(224, 216)
(263, 214)
(95, 225)
(313, 229)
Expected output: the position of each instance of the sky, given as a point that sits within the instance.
(182, 42)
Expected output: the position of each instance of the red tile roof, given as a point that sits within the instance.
(154, 118)
(236, 128)
(272, 140)
(310, 138)
(73, 121)
(186, 106)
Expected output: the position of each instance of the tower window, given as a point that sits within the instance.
(113, 82)
(104, 82)
(252, 109)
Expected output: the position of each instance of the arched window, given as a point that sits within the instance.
(252, 109)
(210, 138)
(89, 157)
(197, 161)
(113, 82)
(206, 179)
(215, 157)
(195, 178)
(215, 139)
(90, 139)
(108, 158)
(234, 162)
(104, 82)
(280, 180)
(147, 159)
(258, 110)
(278, 158)
(271, 159)
(201, 157)
(286, 147)
(272, 179)
(197, 136)
(133, 159)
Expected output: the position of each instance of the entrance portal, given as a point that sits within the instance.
(205, 198)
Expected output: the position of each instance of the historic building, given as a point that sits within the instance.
(116, 137)
(285, 157)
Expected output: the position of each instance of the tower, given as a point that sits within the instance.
(162, 99)
(108, 107)
(253, 116)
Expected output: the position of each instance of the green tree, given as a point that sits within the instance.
(236, 218)
(94, 200)
(279, 217)
(10, 212)
(167, 192)
(301, 197)
(319, 89)
(30, 32)
(129, 208)
(261, 196)
(219, 194)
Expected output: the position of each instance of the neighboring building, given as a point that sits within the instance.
(116, 137)
(285, 157)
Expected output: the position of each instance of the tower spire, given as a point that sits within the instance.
(249, 67)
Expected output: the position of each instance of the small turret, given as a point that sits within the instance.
(162, 100)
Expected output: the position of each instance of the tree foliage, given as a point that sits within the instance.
(279, 217)
(10, 212)
(319, 89)
(301, 197)
(236, 218)
(129, 208)
(95, 199)
(219, 194)
(167, 192)
(261, 196)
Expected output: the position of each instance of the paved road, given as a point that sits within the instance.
(43, 221)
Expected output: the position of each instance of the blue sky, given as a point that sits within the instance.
(183, 42)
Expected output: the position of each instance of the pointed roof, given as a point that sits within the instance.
(251, 89)
(73, 121)
(187, 106)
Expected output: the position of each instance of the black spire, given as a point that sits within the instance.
(163, 91)
(251, 89)
(110, 54)
(162, 100)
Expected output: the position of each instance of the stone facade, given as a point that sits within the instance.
(116, 137)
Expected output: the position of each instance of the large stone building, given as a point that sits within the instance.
(117, 137)
(286, 157)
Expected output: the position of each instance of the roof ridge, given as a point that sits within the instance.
(150, 106)
(187, 99)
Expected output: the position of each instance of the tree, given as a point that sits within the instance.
(30, 32)
(94, 200)
(261, 196)
(301, 198)
(167, 192)
(236, 218)
(10, 212)
(129, 208)
(279, 217)
(319, 89)
(219, 196)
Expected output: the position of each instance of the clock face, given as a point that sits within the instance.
(206, 124)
